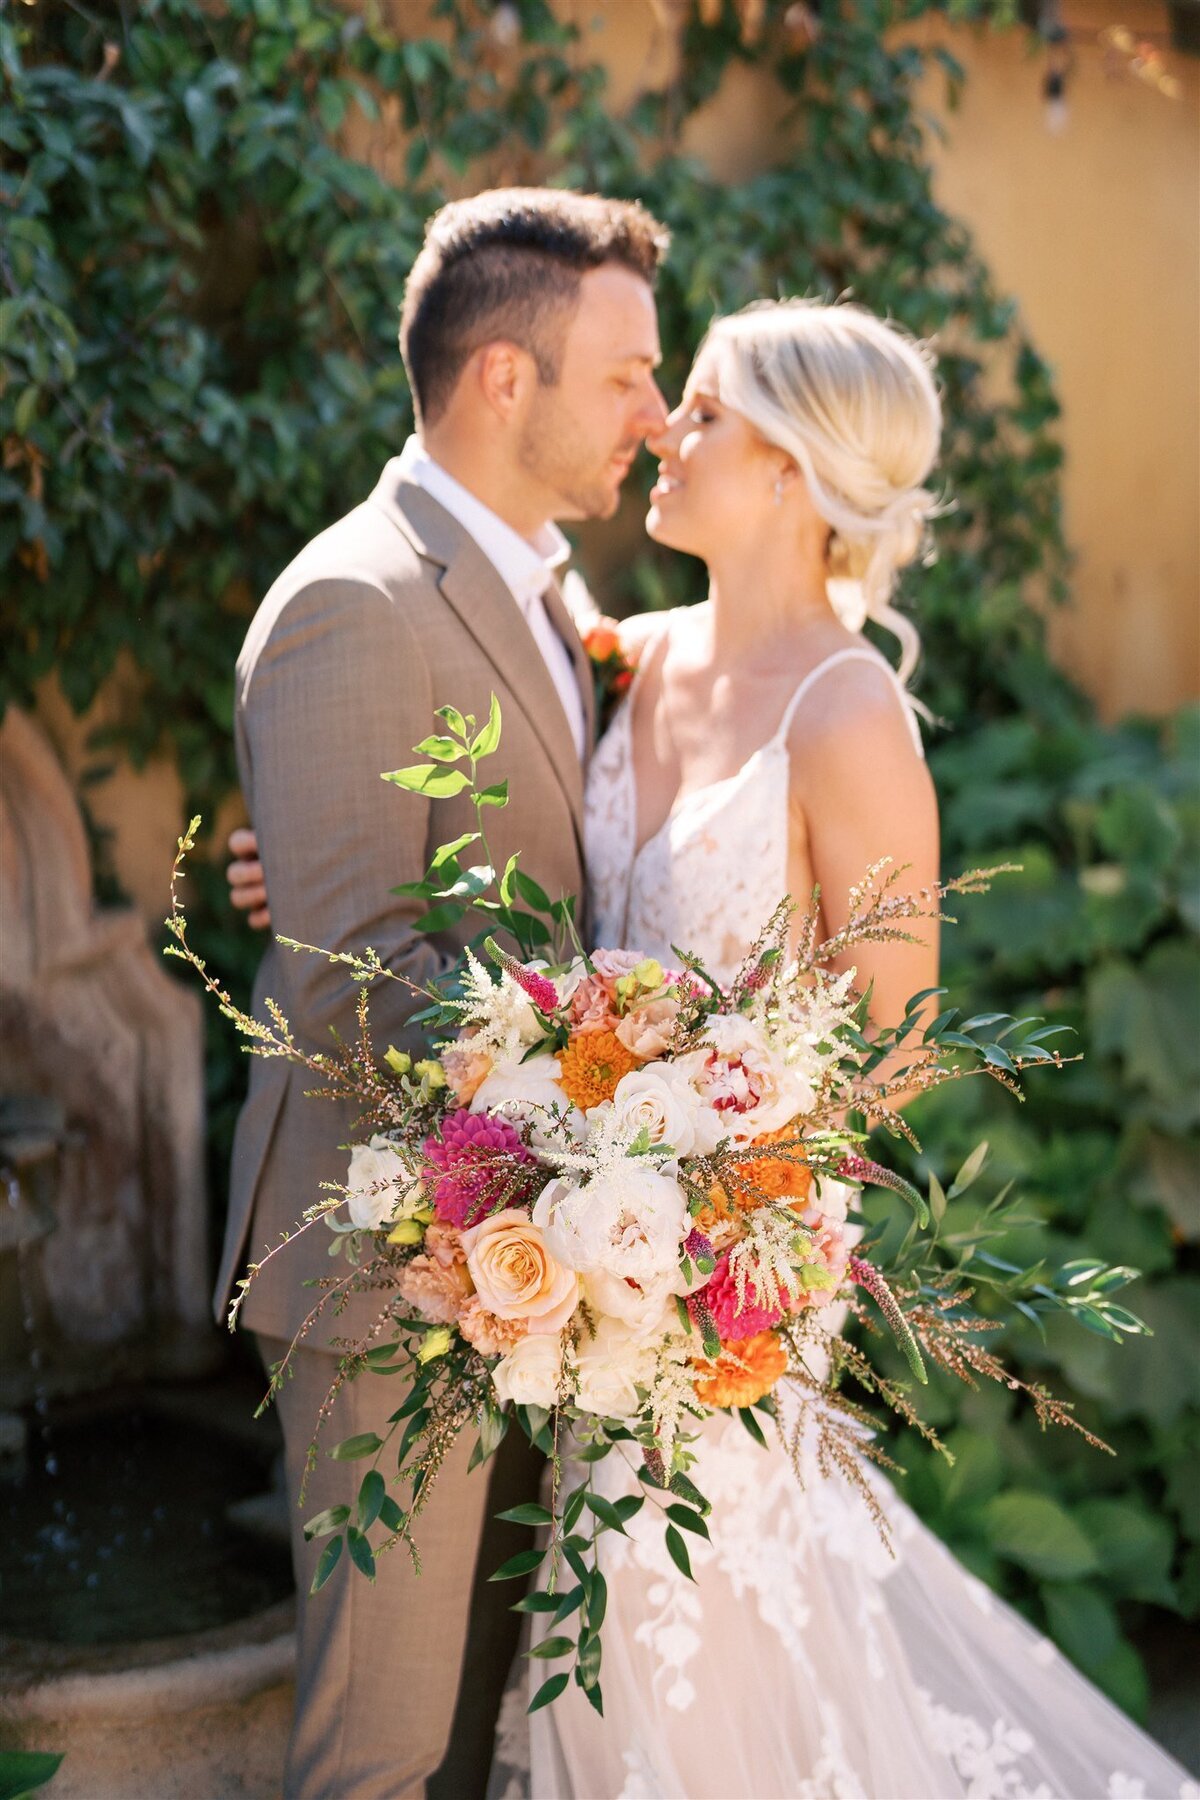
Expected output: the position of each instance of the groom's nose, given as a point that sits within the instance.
(653, 413)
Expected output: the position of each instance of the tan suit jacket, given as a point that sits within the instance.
(389, 614)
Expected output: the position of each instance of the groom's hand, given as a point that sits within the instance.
(247, 886)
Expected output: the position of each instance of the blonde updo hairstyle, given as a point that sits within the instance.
(854, 402)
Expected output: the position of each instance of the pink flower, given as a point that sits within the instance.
(592, 1007)
(829, 1253)
(487, 1331)
(540, 989)
(647, 1030)
(435, 1291)
(477, 1156)
(720, 1297)
(465, 1070)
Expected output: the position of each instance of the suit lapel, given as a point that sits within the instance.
(471, 585)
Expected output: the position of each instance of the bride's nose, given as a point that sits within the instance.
(660, 441)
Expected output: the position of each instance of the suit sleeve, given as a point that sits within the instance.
(338, 692)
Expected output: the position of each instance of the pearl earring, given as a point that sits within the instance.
(779, 491)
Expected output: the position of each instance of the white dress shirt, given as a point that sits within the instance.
(526, 567)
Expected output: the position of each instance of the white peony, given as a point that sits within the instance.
(662, 1099)
(611, 1367)
(376, 1178)
(747, 1080)
(528, 1375)
(528, 1093)
(640, 1309)
(629, 1220)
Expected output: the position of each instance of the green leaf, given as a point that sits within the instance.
(688, 1519)
(569, 1601)
(551, 1647)
(752, 1426)
(496, 795)
(1040, 1535)
(22, 1771)
(371, 1495)
(549, 1690)
(488, 738)
(447, 852)
(434, 782)
(537, 1602)
(606, 1512)
(326, 1563)
(597, 1603)
(25, 409)
(454, 720)
(969, 1171)
(322, 1523)
(392, 1514)
(528, 1513)
(1135, 1548)
(523, 1563)
(530, 892)
(351, 1448)
(442, 749)
(361, 1554)
(677, 1550)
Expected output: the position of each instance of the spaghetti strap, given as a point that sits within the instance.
(852, 654)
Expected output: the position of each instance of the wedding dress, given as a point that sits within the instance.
(805, 1661)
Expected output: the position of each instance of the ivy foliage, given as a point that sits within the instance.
(199, 286)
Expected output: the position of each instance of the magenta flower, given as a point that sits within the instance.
(720, 1296)
(470, 1167)
(540, 989)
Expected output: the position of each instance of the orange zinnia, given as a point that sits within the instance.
(745, 1370)
(774, 1178)
(591, 1066)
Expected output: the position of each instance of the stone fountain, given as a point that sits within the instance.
(140, 1631)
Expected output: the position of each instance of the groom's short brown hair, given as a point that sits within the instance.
(508, 264)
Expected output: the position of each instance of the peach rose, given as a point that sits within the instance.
(514, 1274)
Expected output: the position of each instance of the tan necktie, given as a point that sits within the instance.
(563, 626)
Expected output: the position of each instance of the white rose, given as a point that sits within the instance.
(528, 1093)
(639, 1308)
(630, 1222)
(662, 1099)
(611, 1367)
(377, 1175)
(747, 1080)
(528, 1375)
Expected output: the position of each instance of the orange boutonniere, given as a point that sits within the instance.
(612, 667)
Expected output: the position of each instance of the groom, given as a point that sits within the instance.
(529, 336)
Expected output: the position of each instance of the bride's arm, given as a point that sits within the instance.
(866, 793)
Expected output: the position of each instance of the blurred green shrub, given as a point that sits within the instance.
(198, 299)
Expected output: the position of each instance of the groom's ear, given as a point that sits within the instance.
(504, 375)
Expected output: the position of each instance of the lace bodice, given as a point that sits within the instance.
(712, 874)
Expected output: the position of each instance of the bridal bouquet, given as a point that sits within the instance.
(615, 1199)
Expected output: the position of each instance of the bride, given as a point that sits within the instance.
(765, 747)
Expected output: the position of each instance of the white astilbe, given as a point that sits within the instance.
(672, 1397)
(766, 1258)
(501, 1015)
(805, 1016)
(602, 1153)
